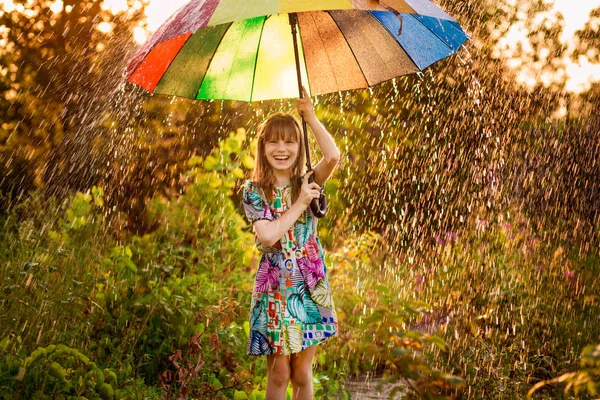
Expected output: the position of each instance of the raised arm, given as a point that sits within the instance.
(331, 154)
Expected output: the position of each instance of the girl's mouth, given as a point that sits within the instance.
(281, 158)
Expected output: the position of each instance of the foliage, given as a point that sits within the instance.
(85, 380)
(495, 293)
(165, 313)
(373, 321)
(142, 297)
(515, 309)
(51, 55)
(199, 240)
(587, 379)
(426, 147)
(189, 378)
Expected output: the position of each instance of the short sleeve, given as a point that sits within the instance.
(254, 205)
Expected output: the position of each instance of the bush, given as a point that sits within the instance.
(129, 302)
(587, 379)
(373, 317)
(515, 309)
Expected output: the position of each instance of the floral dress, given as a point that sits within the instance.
(292, 307)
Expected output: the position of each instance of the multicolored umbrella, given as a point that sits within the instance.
(265, 49)
(243, 50)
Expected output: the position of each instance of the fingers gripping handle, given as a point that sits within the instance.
(318, 206)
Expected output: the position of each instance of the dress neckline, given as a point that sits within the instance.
(283, 187)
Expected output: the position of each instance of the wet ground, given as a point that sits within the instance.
(365, 388)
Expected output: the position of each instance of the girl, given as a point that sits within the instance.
(292, 310)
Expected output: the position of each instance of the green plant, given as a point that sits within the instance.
(374, 320)
(58, 369)
(139, 295)
(513, 307)
(587, 379)
(188, 376)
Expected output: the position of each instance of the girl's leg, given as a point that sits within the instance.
(278, 376)
(302, 374)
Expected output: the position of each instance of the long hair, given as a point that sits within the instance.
(278, 126)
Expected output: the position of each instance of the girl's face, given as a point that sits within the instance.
(281, 153)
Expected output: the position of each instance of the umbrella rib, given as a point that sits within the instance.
(395, 40)
(303, 58)
(172, 61)
(211, 59)
(351, 49)
(256, 58)
(436, 35)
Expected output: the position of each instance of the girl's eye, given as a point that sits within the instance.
(290, 142)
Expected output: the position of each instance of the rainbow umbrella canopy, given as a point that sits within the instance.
(244, 50)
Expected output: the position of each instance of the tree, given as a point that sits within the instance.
(54, 59)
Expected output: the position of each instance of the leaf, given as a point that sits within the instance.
(311, 270)
(231, 144)
(302, 307)
(591, 387)
(129, 264)
(107, 391)
(258, 321)
(301, 231)
(194, 161)
(248, 162)
(321, 294)
(437, 341)
(238, 173)
(215, 181)
(257, 395)
(292, 338)
(590, 355)
(215, 383)
(401, 352)
(210, 163)
(259, 344)
(57, 371)
(267, 277)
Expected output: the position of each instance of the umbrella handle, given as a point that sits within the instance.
(318, 206)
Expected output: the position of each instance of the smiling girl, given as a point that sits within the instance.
(292, 310)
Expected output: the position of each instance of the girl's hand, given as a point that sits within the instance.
(308, 191)
(305, 106)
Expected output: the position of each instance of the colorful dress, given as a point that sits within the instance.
(292, 307)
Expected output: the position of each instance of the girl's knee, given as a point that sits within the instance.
(279, 371)
(301, 374)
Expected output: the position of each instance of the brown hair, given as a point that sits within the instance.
(278, 126)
